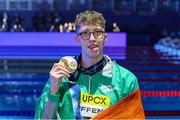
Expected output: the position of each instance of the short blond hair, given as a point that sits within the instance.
(89, 18)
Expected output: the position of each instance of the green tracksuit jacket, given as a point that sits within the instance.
(88, 96)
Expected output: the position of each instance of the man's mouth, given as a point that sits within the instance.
(92, 47)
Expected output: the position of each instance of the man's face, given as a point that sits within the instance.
(92, 39)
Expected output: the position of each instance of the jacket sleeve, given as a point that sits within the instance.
(47, 104)
(132, 82)
(129, 82)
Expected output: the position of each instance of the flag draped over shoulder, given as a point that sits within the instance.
(129, 107)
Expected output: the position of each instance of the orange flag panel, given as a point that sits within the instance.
(129, 107)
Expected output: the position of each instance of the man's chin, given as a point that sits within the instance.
(97, 55)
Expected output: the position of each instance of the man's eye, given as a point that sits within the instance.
(98, 32)
(85, 33)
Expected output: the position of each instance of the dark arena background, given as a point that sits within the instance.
(144, 37)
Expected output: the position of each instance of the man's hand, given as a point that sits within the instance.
(57, 72)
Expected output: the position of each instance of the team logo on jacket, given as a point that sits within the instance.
(93, 104)
(108, 88)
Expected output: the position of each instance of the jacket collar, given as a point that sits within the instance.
(106, 71)
(108, 68)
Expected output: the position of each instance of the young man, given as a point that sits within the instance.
(101, 89)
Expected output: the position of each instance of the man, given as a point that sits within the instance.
(101, 89)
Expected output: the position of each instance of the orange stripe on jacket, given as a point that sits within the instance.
(129, 107)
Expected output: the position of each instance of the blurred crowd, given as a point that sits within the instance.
(170, 39)
(169, 45)
(49, 22)
(13, 24)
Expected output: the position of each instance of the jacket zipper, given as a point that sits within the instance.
(89, 87)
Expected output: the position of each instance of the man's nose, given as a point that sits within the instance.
(92, 37)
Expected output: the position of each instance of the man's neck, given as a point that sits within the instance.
(87, 62)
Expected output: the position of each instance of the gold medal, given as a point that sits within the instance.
(70, 63)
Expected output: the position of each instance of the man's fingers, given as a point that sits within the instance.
(58, 67)
(63, 73)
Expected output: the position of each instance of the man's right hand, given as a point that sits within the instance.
(57, 72)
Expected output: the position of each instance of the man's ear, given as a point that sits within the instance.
(77, 40)
(105, 37)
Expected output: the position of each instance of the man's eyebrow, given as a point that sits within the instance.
(93, 29)
(98, 29)
(85, 30)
